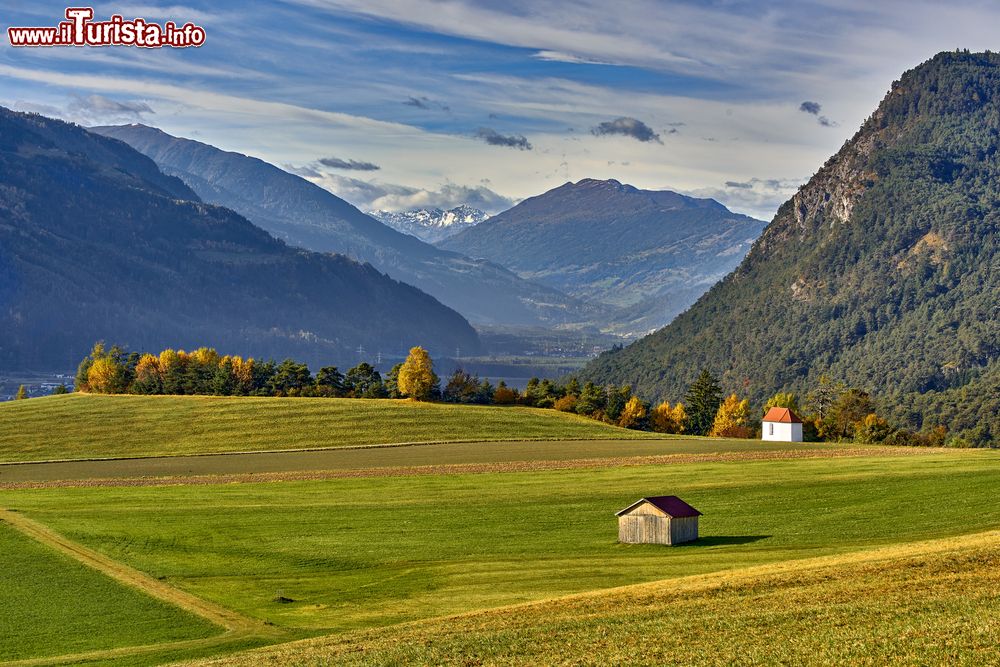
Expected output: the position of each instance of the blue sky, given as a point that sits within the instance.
(490, 102)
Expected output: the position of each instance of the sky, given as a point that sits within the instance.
(399, 104)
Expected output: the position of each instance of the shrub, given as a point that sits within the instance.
(566, 404)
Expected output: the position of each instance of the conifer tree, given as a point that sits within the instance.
(703, 399)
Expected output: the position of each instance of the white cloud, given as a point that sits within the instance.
(560, 57)
(379, 196)
(179, 14)
(757, 197)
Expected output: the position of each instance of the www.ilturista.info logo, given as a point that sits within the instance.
(81, 30)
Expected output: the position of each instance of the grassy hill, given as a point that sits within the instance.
(78, 426)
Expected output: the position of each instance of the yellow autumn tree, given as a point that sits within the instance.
(732, 419)
(633, 413)
(148, 366)
(205, 356)
(148, 379)
(169, 359)
(666, 419)
(104, 376)
(416, 375)
(243, 375)
(783, 400)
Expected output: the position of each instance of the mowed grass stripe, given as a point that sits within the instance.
(189, 470)
(424, 459)
(926, 603)
(54, 605)
(91, 426)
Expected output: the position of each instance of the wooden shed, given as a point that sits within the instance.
(658, 520)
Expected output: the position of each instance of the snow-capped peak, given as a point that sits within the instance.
(431, 224)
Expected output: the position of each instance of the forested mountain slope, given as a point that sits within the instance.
(650, 252)
(882, 271)
(306, 215)
(96, 243)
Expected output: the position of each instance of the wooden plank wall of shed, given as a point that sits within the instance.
(683, 529)
(643, 529)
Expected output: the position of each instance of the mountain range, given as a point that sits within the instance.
(306, 215)
(882, 271)
(431, 224)
(649, 254)
(97, 243)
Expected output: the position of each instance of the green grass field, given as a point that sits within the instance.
(933, 608)
(365, 568)
(356, 553)
(80, 426)
(53, 605)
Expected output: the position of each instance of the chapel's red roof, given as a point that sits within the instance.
(782, 415)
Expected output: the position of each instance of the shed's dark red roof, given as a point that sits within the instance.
(672, 506)
(782, 415)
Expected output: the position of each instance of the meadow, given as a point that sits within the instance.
(53, 605)
(79, 426)
(808, 553)
(339, 555)
(932, 604)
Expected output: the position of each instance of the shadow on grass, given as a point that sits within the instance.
(723, 540)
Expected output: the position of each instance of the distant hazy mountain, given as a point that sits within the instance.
(431, 224)
(882, 271)
(309, 216)
(651, 253)
(97, 244)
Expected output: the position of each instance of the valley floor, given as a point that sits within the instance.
(503, 553)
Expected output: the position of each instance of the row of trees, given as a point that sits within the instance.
(831, 411)
(205, 371)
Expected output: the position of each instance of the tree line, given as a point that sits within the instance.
(830, 411)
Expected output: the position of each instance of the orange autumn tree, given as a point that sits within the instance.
(732, 419)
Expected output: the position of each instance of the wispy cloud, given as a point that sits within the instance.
(560, 57)
(177, 13)
(758, 197)
(494, 138)
(90, 109)
(627, 127)
(733, 71)
(355, 165)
